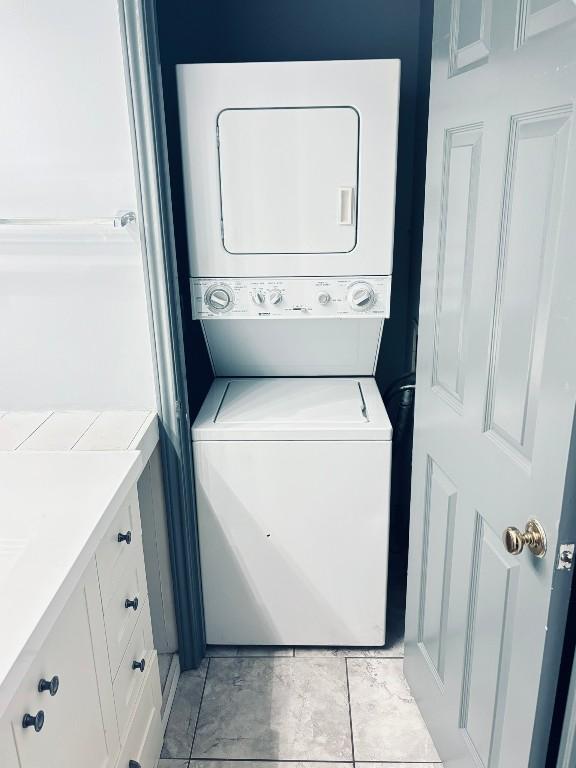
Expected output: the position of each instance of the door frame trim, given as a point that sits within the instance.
(567, 756)
(150, 156)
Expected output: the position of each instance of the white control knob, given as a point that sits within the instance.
(361, 296)
(258, 298)
(275, 297)
(324, 298)
(219, 298)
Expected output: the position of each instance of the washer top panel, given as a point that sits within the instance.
(293, 409)
(293, 401)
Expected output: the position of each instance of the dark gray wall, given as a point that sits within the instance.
(276, 30)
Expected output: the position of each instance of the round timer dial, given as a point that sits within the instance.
(275, 297)
(361, 296)
(219, 298)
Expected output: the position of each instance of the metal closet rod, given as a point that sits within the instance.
(121, 220)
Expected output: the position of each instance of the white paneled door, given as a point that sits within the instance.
(496, 370)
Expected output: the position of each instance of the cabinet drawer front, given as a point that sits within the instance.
(119, 619)
(8, 754)
(144, 740)
(129, 680)
(113, 556)
(77, 729)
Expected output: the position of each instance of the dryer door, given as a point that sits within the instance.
(288, 180)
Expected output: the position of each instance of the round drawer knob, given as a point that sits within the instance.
(127, 537)
(131, 603)
(49, 685)
(37, 721)
(139, 665)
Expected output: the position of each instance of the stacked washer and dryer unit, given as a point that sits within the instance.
(289, 175)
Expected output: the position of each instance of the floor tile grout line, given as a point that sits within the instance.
(299, 761)
(199, 710)
(308, 658)
(275, 761)
(314, 658)
(350, 711)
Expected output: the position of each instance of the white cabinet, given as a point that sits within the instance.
(119, 545)
(79, 721)
(8, 754)
(138, 657)
(104, 707)
(124, 605)
(144, 740)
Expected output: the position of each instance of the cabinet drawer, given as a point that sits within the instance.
(8, 754)
(129, 680)
(144, 740)
(77, 725)
(113, 556)
(119, 616)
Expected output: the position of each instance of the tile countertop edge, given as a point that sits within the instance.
(147, 438)
(12, 671)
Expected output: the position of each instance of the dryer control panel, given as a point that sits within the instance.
(290, 298)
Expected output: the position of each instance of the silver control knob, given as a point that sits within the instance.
(275, 297)
(258, 298)
(219, 298)
(324, 298)
(361, 296)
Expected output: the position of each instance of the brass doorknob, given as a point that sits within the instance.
(534, 537)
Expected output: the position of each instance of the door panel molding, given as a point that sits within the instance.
(437, 549)
(530, 23)
(459, 195)
(533, 179)
(472, 52)
(491, 607)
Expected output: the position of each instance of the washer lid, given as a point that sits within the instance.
(293, 401)
(293, 409)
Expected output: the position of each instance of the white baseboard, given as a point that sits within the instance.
(170, 690)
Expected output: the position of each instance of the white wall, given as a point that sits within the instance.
(74, 330)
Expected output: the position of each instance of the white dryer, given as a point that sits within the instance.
(289, 178)
(289, 167)
(292, 481)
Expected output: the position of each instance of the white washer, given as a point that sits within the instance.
(292, 483)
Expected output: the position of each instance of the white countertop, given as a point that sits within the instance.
(79, 431)
(55, 507)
